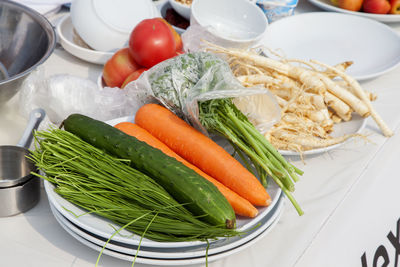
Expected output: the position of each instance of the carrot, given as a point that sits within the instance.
(202, 152)
(240, 205)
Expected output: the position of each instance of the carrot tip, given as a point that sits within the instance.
(268, 202)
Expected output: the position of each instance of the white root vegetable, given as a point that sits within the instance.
(306, 77)
(282, 102)
(342, 109)
(360, 93)
(310, 141)
(292, 122)
(316, 100)
(284, 94)
(336, 119)
(287, 82)
(355, 103)
(311, 99)
(341, 66)
(257, 79)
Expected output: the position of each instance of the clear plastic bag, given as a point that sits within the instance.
(182, 82)
(62, 95)
(179, 84)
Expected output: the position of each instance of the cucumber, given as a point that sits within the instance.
(199, 195)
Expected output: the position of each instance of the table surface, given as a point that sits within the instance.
(349, 195)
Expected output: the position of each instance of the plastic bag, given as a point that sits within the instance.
(62, 95)
(182, 82)
(195, 35)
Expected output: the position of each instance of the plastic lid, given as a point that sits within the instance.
(123, 15)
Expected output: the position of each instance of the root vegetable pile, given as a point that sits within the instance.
(313, 96)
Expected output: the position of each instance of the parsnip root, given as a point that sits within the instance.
(310, 94)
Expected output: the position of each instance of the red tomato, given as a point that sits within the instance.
(151, 42)
(133, 76)
(177, 37)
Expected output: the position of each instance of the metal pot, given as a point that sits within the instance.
(19, 189)
(27, 40)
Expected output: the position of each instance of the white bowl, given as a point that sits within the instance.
(233, 23)
(65, 32)
(163, 7)
(106, 25)
(100, 81)
(181, 9)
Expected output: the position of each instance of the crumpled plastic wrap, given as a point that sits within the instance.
(179, 84)
(62, 95)
(182, 82)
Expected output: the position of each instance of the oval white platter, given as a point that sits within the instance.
(354, 126)
(176, 253)
(173, 262)
(328, 6)
(333, 38)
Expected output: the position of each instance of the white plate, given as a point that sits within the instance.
(176, 253)
(105, 228)
(327, 5)
(171, 262)
(355, 125)
(64, 30)
(333, 38)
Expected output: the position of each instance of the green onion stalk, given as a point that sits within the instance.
(104, 185)
(223, 117)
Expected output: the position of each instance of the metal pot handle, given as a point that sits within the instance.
(35, 118)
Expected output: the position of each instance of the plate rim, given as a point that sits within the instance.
(167, 254)
(325, 149)
(175, 262)
(52, 198)
(378, 17)
(92, 56)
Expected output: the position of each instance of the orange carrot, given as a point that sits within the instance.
(240, 205)
(202, 152)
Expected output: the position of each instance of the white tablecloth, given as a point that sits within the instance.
(350, 197)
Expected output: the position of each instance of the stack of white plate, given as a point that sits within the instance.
(94, 232)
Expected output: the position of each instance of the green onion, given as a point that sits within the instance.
(223, 117)
(110, 188)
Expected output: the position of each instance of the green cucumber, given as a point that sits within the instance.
(199, 195)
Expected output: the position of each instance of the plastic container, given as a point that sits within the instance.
(163, 7)
(181, 9)
(277, 9)
(229, 23)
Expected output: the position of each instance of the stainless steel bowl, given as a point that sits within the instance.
(19, 188)
(27, 39)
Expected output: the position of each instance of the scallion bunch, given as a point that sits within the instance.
(102, 184)
(223, 117)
